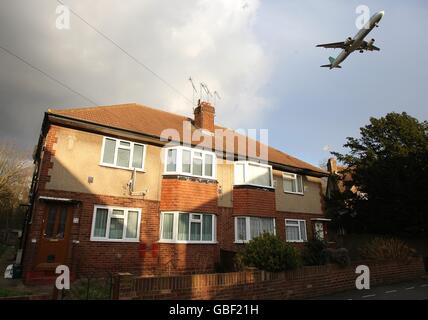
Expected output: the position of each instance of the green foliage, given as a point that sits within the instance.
(3, 248)
(6, 292)
(386, 249)
(338, 256)
(389, 168)
(314, 253)
(90, 289)
(268, 252)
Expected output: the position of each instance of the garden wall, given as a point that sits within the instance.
(307, 282)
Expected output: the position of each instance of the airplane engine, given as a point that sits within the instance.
(348, 41)
(370, 44)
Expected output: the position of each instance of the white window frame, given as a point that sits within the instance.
(247, 164)
(179, 162)
(175, 228)
(125, 221)
(248, 226)
(294, 179)
(300, 231)
(131, 155)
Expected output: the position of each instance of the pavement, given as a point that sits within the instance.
(409, 290)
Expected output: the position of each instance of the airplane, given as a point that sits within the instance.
(358, 43)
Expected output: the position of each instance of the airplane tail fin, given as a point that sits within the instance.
(331, 63)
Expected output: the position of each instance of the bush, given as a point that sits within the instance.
(314, 253)
(268, 252)
(386, 249)
(92, 289)
(338, 256)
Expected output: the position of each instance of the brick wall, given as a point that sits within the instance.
(254, 201)
(189, 195)
(148, 257)
(307, 282)
(46, 157)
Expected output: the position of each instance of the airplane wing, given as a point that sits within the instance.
(334, 45)
(368, 46)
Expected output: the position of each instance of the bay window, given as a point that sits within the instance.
(248, 228)
(295, 230)
(253, 173)
(293, 183)
(116, 224)
(122, 154)
(190, 162)
(180, 227)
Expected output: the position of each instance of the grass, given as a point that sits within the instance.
(13, 292)
(98, 289)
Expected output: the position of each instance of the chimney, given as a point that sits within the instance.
(332, 165)
(204, 116)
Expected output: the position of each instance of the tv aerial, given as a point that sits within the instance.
(204, 93)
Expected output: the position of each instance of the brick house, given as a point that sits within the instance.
(109, 194)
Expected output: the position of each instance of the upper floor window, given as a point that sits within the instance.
(123, 154)
(180, 227)
(253, 173)
(248, 228)
(116, 224)
(293, 183)
(190, 162)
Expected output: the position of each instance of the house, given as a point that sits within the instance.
(339, 179)
(112, 194)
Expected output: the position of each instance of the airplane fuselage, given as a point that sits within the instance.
(358, 39)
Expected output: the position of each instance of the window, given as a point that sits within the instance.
(56, 222)
(252, 173)
(247, 228)
(122, 154)
(295, 230)
(319, 230)
(190, 162)
(182, 227)
(171, 160)
(293, 183)
(116, 224)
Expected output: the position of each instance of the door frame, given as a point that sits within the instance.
(40, 260)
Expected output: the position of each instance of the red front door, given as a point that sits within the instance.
(55, 238)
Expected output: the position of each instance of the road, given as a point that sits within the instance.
(409, 290)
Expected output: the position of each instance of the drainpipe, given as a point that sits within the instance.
(33, 190)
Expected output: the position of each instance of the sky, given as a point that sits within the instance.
(260, 56)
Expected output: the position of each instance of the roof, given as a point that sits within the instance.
(150, 121)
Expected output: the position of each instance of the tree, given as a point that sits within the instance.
(15, 179)
(389, 168)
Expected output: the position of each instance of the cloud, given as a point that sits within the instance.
(212, 41)
(326, 148)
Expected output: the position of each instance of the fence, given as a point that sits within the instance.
(88, 286)
(254, 284)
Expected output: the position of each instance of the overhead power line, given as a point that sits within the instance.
(48, 75)
(136, 60)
